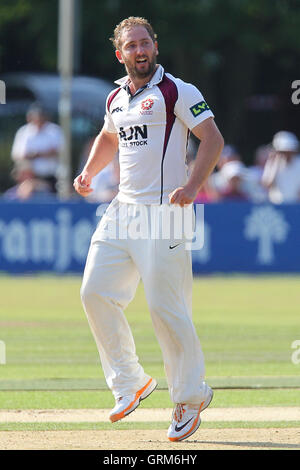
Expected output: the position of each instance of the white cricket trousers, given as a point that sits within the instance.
(113, 270)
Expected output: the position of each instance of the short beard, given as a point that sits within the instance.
(134, 73)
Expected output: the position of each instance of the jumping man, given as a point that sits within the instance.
(148, 120)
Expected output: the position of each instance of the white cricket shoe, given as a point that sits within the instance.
(186, 418)
(128, 403)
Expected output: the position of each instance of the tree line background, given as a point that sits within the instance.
(242, 54)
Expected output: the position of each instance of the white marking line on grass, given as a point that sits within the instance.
(149, 415)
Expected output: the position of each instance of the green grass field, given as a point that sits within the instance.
(246, 326)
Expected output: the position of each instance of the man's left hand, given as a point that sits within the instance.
(182, 196)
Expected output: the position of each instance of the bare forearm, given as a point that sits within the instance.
(209, 151)
(206, 159)
(102, 153)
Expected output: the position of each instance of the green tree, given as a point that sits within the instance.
(28, 35)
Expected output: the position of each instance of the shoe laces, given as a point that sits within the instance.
(178, 412)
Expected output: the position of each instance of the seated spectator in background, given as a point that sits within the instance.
(28, 184)
(40, 142)
(281, 174)
(218, 180)
(233, 173)
(229, 170)
(229, 154)
(205, 195)
(253, 179)
(105, 183)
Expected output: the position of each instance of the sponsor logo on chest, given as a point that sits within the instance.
(134, 136)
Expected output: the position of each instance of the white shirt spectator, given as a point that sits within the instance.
(286, 186)
(30, 140)
(282, 170)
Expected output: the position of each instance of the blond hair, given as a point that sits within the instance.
(129, 23)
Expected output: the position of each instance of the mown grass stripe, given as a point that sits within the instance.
(142, 426)
(270, 382)
(159, 399)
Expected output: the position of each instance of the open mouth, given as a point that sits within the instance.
(141, 61)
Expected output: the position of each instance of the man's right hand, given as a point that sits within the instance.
(82, 184)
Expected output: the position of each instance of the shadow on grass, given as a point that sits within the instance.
(266, 445)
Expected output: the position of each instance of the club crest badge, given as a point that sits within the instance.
(146, 106)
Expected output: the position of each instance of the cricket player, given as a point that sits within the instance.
(148, 120)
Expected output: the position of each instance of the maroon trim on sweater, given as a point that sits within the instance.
(170, 94)
(111, 98)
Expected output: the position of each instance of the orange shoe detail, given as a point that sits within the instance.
(137, 398)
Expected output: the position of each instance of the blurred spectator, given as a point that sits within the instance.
(105, 183)
(205, 195)
(40, 142)
(233, 174)
(281, 174)
(253, 179)
(28, 184)
(229, 166)
(229, 154)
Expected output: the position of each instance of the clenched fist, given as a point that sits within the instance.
(82, 184)
(182, 196)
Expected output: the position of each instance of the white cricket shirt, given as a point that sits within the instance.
(153, 128)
